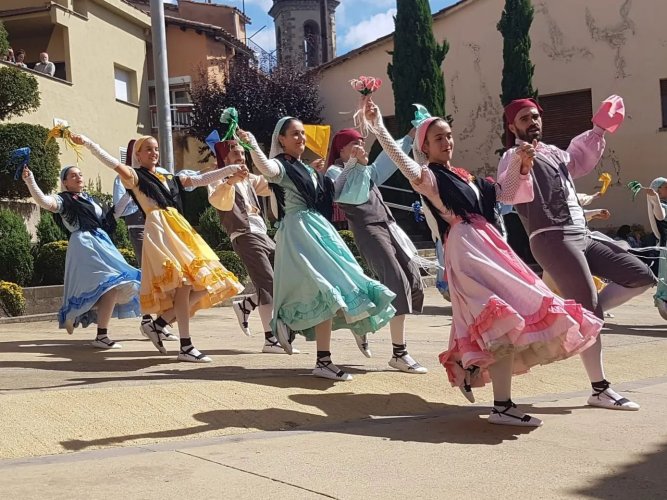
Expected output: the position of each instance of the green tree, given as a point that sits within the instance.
(44, 159)
(19, 92)
(4, 40)
(260, 98)
(518, 70)
(416, 67)
(16, 261)
(48, 231)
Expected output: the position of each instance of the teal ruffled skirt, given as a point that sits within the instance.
(317, 278)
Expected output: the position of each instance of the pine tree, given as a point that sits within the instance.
(415, 70)
(518, 71)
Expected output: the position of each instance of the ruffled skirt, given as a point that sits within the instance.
(317, 278)
(93, 266)
(175, 255)
(500, 307)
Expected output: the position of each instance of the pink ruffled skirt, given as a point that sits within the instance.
(500, 307)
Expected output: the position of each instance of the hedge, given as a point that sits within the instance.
(48, 231)
(50, 264)
(44, 159)
(16, 261)
(211, 230)
(233, 263)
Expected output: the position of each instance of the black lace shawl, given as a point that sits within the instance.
(78, 211)
(319, 199)
(153, 188)
(458, 197)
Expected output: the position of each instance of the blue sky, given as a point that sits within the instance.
(358, 21)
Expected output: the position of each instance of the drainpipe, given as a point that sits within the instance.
(324, 29)
(162, 85)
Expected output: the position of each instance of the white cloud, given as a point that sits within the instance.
(370, 29)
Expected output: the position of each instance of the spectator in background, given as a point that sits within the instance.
(20, 58)
(9, 57)
(44, 65)
(625, 233)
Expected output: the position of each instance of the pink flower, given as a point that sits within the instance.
(357, 85)
(376, 84)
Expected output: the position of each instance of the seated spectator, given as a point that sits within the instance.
(44, 65)
(20, 58)
(9, 57)
(625, 233)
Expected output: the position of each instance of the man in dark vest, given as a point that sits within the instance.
(237, 201)
(556, 224)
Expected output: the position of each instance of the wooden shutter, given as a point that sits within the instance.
(565, 116)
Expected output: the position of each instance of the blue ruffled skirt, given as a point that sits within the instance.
(94, 266)
(317, 278)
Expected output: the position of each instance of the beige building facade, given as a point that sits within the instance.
(101, 83)
(583, 51)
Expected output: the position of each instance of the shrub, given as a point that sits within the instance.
(194, 204)
(271, 232)
(4, 40)
(128, 255)
(16, 261)
(44, 159)
(121, 236)
(12, 300)
(348, 238)
(211, 230)
(233, 263)
(47, 229)
(19, 92)
(50, 264)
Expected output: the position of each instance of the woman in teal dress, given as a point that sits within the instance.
(318, 284)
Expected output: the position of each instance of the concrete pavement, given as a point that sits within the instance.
(79, 423)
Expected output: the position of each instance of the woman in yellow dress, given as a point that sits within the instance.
(180, 274)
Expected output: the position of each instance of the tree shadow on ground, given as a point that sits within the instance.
(644, 478)
(374, 415)
(437, 311)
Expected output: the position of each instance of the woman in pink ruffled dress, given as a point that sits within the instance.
(505, 319)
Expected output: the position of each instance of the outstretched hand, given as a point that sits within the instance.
(243, 135)
(77, 139)
(372, 112)
(527, 154)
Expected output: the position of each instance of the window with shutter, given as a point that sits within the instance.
(123, 156)
(565, 116)
(663, 100)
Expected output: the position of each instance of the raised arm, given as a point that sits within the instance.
(199, 179)
(341, 180)
(383, 167)
(47, 202)
(513, 187)
(268, 168)
(584, 152)
(107, 159)
(408, 167)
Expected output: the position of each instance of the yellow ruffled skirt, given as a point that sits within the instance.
(175, 255)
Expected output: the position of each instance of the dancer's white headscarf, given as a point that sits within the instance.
(276, 147)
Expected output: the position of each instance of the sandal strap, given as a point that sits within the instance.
(191, 348)
(510, 406)
(105, 340)
(325, 365)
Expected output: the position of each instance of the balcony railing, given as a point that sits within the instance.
(181, 116)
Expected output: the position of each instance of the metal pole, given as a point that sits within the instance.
(162, 85)
(324, 29)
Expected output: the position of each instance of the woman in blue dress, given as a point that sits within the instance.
(318, 284)
(99, 283)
